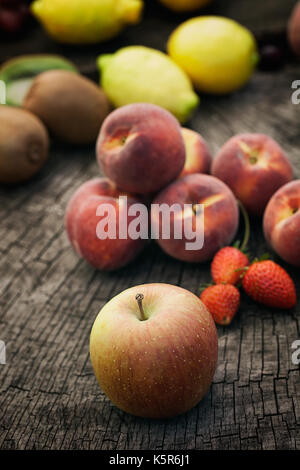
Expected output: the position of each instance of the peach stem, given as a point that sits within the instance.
(139, 298)
(252, 153)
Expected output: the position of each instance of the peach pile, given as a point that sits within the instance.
(198, 158)
(282, 222)
(81, 223)
(146, 155)
(254, 166)
(221, 215)
(140, 148)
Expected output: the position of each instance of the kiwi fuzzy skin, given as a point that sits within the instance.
(71, 106)
(24, 145)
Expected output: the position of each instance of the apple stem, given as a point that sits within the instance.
(247, 226)
(139, 298)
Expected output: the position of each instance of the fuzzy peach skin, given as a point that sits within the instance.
(140, 148)
(282, 222)
(294, 30)
(221, 215)
(81, 222)
(161, 366)
(254, 166)
(198, 156)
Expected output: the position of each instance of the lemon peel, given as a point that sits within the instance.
(218, 54)
(141, 74)
(87, 22)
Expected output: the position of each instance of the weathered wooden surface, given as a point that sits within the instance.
(266, 16)
(49, 398)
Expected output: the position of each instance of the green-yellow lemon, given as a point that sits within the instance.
(185, 5)
(140, 74)
(217, 53)
(84, 22)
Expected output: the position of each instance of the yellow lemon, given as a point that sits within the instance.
(141, 74)
(185, 5)
(217, 53)
(84, 22)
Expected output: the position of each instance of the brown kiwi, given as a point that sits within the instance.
(24, 144)
(71, 106)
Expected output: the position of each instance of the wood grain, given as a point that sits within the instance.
(269, 16)
(49, 298)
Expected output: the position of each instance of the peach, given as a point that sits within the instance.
(294, 30)
(282, 222)
(254, 166)
(221, 216)
(140, 148)
(81, 222)
(198, 156)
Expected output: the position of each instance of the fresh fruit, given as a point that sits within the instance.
(229, 263)
(222, 301)
(71, 106)
(154, 350)
(185, 5)
(282, 222)
(227, 266)
(19, 73)
(254, 166)
(83, 216)
(87, 22)
(140, 74)
(221, 216)
(218, 54)
(198, 156)
(294, 30)
(24, 145)
(269, 284)
(13, 16)
(271, 57)
(140, 148)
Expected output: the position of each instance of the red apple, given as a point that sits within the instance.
(221, 216)
(282, 222)
(198, 156)
(82, 221)
(140, 148)
(254, 166)
(154, 350)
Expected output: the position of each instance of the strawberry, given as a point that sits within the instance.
(222, 301)
(227, 265)
(269, 284)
